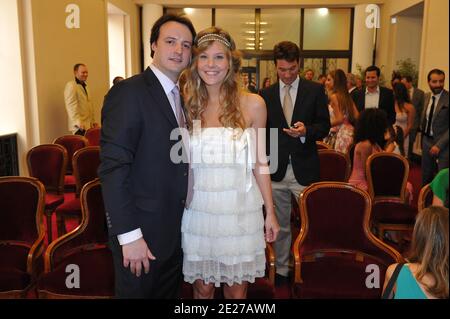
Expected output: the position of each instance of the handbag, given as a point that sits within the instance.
(388, 292)
(330, 139)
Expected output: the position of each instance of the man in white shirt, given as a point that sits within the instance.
(372, 95)
(434, 127)
(79, 106)
(298, 110)
(143, 189)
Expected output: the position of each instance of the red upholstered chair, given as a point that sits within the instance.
(335, 244)
(262, 288)
(322, 146)
(86, 247)
(85, 163)
(21, 234)
(334, 166)
(425, 197)
(93, 136)
(387, 175)
(71, 143)
(47, 163)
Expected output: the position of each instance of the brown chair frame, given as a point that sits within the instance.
(57, 141)
(59, 189)
(402, 197)
(322, 146)
(37, 249)
(48, 257)
(425, 191)
(382, 227)
(305, 227)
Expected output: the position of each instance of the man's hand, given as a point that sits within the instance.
(136, 254)
(298, 130)
(434, 151)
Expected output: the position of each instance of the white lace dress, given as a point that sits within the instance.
(223, 226)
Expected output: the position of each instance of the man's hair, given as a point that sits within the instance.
(408, 78)
(435, 71)
(322, 76)
(117, 79)
(309, 70)
(77, 66)
(351, 79)
(286, 50)
(167, 18)
(373, 68)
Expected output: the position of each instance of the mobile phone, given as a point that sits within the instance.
(294, 126)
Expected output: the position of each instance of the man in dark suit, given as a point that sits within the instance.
(351, 86)
(297, 110)
(417, 97)
(144, 188)
(434, 127)
(372, 95)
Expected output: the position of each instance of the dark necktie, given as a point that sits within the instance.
(430, 117)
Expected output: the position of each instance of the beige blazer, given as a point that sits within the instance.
(79, 106)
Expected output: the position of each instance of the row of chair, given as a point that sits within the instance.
(48, 163)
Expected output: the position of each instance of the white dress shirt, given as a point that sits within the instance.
(168, 86)
(293, 92)
(436, 101)
(372, 99)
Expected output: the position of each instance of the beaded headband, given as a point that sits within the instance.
(214, 37)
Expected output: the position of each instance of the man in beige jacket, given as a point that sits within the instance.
(79, 106)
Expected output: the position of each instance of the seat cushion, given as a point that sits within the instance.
(96, 275)
(52, 201)
(70, 207)
(69, 180)
(13, 256)
(13, 279)
(393, 213)
(336, 278)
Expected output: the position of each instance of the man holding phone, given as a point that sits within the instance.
(297, 108)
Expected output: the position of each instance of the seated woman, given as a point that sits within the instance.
(395, 144)
(369, 139)
(426, 274)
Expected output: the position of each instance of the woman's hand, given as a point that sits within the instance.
(271, 225)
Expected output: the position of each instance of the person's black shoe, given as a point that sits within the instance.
(281, 280)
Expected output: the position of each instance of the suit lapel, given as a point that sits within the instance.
(299, 101)
(442, 101)
(162, 102)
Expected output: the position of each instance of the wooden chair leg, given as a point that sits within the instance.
(61, 225)
(48, 215)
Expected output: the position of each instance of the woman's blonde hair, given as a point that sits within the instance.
(429, 248)
(345, 101)
(195, 92)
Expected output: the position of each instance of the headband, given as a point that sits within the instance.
(214, 37)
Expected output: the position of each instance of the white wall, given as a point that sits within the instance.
(12, 105)
(116, 45)
(408, 38)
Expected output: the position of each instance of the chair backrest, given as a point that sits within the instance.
(93, 136)
(335, 218)
(92, 232)
(21, 208)
(72, 143)
(334, 166)
(387, 174)
(85, 163)
(425, 197)
(48, 163)
(322, 146)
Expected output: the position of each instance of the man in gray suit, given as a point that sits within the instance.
(416, 96)
(434, 127)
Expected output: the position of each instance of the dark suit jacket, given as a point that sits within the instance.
(142, 187)
(439, 121)
(386, 102)
(354, 95)
(418, 97)
(311, 109)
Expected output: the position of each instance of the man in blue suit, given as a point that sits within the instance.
(144, 190)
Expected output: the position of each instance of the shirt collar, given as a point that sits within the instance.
(437, 96)
(80, 82)
(377, 91)
(166, 83)
(294, 84)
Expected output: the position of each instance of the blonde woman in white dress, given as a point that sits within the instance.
(224, 232)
